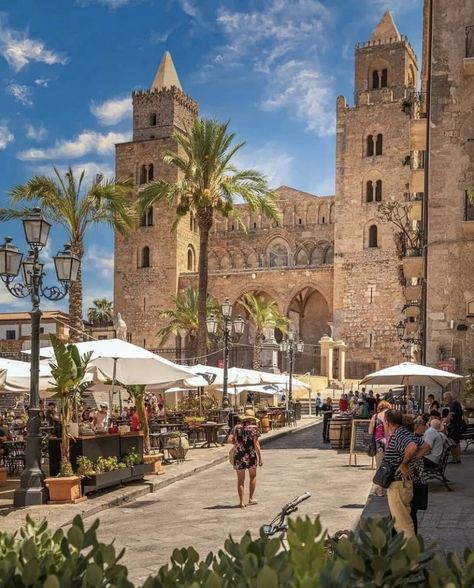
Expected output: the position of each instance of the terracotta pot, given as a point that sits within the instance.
(265, 424)
(3, 476)
(155, 461)
(65, 490)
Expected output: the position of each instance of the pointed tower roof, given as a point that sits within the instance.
(386, 29)
(166, 75)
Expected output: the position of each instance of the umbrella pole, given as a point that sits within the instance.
(111, 393)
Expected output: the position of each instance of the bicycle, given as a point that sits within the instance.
(278, 524)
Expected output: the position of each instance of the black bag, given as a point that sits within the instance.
(420, 496)
(385, 474)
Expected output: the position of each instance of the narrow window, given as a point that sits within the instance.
(369, 193)
(254, 225)
(143, 174)
(191, 265)
(370, 145)
(232, 228)
(323, 220)
(384, 82)
(300, 221)
(373, 236)
(379, 144)
(150, 172)
(149, 217)
(153, 119)
(375, 80)
(378, 191)
(145, 257)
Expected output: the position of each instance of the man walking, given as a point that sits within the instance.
(454, 425)
(400, 453)
(318, 402)
(326, 410)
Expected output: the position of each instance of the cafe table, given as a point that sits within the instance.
(211, 433)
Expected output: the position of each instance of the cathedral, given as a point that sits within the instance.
(332, 264)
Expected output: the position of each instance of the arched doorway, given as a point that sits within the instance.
(309, 314)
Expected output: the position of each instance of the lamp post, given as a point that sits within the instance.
(32, 490)
(230, 325)
(290, 346)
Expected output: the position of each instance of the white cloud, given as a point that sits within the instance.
(20, 93)
(38, 133)
(112, 111)
(270, 160)
(101, 260)
(271, 42)
(189, 8)
(86, 142)
(298, 85)
(90, 168)
(19, 50)
(42, 82)
(6, 136)
(112, 4)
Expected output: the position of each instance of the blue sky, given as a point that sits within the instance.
(273, 67)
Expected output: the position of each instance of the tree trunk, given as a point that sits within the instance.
(204, 216)
(75, 300)
(140, 406)
(257, 351)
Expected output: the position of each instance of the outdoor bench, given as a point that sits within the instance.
(438, 472)
(468, 435)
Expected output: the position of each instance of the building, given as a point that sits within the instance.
(449, 78)
(331, 265)
(15, 330)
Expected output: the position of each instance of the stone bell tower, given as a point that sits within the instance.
(372, 145)
(149, 260)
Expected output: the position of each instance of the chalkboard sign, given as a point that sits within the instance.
(360, 438)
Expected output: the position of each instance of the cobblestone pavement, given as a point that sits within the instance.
(202, 511)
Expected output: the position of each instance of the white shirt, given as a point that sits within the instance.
(434, 439)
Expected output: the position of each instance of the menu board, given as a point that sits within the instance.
(360, 438)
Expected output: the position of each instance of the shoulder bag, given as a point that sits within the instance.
(385, 474)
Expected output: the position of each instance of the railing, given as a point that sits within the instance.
(413, 196)
(468, 207)
(470, 41)
(417, 160)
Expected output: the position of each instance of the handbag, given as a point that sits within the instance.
(232, 452)
(385, 474)
(420, 496)
(371, 445)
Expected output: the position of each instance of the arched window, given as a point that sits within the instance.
(384, 78)
(370, 145)
(470, 308)
(373, 236)
(379, 144)
(150, 172)
(369, 191)
(375, 80)
(278, 253)
(153, 119)
(147, 218)
(145, 257)
(191, 259)
(302, 257)
(329, 255)
(143, 174)
(378, 191)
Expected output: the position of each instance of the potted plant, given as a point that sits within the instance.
(134, 461)
(178, 444)
(68, 371)
(105, 472)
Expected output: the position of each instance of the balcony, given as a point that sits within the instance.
(412, 293)
(468, 61)
(418, 134)
(412, 256)
(468, 221)
(417, 180)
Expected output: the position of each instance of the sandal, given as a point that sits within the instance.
(242, 505)
(252, 501)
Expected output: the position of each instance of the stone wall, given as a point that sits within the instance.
(450, 274)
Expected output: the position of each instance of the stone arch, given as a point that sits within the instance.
(191, 259)
(213, 262)
(302, 256)
(238, 259)
(317, 255)
(278, 252)
(373, 187)
(225, 261)
(328, 258)
(144, 257)
(252, 259)
(379, 74)
(372, 237)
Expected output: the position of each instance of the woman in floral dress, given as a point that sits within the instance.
(247, 454)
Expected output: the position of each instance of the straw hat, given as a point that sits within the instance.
(249, 415)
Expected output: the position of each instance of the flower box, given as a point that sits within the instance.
(106, 479)
(141, 470)
(65, 490)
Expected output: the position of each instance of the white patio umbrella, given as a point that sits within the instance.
(410, 374)
(204, 375)
(15, 375)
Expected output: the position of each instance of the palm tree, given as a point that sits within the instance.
(209, 183)
(102, 313)
(262, 313)
(183, 317)
(64, 201)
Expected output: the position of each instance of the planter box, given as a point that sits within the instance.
(155, 462)
(65, 490)
(106, 480)
(141, 470)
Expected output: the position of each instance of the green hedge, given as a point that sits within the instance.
(37, 557)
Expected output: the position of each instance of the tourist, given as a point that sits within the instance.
(377, 401)
(52, 416)
(4, 432)
(377, 429)
(326, 410)
(343, 403)
(410, 405)
(99, 422)
(361, 411)
(86, 416)
(454, 425)
(432, 449)
(247, 454)
(318, 402)
(160, 411)
(134, 420)
(429, 402)
(417, 470)
(435, 409)
(400, 453)
(370, 400)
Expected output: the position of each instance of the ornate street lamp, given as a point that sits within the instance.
(32, 490)
(290, 346)
(235, 326)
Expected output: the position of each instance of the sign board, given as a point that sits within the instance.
(360, 439)
(448, 365)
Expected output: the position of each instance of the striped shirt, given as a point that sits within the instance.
(395, 451)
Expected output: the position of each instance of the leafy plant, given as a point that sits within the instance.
(106, 464)
(131, 458)
(65, 468)
(408, 239)
(85, 466)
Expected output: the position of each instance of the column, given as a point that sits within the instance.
(342, 347)
(327, 345)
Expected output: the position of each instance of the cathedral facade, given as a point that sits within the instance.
(331, 264)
